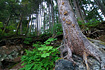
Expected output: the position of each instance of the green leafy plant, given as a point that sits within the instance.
(91, 23)
(58, 29)
(1, 25)
(40, 58)
(27, 40)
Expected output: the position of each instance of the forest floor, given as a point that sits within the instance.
(18, 65)
(102, 38)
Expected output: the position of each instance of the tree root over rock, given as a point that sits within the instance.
(66, 53)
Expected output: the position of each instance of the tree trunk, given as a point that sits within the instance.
(19, 24)
(6, 24)
(52, 11)
(28, 26)
(21, 29)
(103, 2)
(49, 18)
(78, 11)
(74, 40)
(37, 23)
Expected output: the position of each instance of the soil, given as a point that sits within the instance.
(16, 66)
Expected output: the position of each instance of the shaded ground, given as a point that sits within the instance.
(18, 65)
(102, 38)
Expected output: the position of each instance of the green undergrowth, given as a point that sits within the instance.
(40, 58)
(91, 24)
(27, 40)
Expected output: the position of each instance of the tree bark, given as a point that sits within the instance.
(37, 23)
(6, 24)
(78, 11)
(21, 29)
(28, 26)
(49, 18)
(19, 24)
(103, 2)
(74, 40)
(52, 11)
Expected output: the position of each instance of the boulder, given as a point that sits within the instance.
(8, 54)
(64, 65)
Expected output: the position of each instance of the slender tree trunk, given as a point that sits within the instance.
(74, 40)
(103, 2)
(37, 23)
(21, 29)
(52, 11)
(28, 26)
(78, 11)
(31, 25)
(70, 1)
(19, 24)
(86, 20)
(44, 23)
(40, 17)
(49, 18)
(6, 24)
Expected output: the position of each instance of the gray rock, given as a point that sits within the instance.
(9, 53)
(64, 65)
(68, 65)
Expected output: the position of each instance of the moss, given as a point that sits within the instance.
(59, 59)
(88, 38)
(103, 43)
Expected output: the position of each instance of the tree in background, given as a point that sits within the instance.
(35, 17)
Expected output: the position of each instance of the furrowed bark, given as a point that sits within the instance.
(74, 40)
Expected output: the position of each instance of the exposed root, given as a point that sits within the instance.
(97, 54)
(85, 60)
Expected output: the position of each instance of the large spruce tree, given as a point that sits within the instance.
(74, 40)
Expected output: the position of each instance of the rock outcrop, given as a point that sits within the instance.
(8, 54)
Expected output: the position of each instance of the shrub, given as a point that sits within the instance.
(40, 58)
(27, 40)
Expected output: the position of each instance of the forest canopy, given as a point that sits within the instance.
(35, 17)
